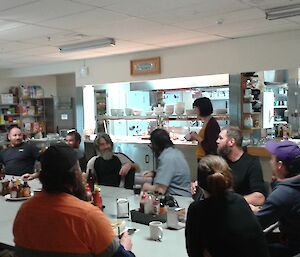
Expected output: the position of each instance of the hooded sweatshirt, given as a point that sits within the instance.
(283, 205)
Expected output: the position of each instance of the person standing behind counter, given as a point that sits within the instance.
(210, 130)
(221, 224)
(19, 158)
(173, 174)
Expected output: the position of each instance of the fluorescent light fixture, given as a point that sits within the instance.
(282, 12)
(99, 43)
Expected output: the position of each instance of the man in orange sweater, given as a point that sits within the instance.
(56, 222)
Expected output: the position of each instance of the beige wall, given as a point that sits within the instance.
(272, 51)
(47, 82)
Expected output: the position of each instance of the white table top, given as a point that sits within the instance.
(172, 244)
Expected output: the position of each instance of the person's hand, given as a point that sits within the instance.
(125, 169)
(28, 176)
(195, 136)
(254, 208)
(126, 241)
(148, 173)
(194, 186)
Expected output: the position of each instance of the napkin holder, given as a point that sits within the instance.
(176, 217)
(140, 217)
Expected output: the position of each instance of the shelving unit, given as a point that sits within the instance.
(9, 114)
(250, 120)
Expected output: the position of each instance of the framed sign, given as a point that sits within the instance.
(145, 66)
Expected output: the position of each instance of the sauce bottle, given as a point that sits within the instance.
(98, 198)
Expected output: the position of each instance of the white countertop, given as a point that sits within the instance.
(142, 140)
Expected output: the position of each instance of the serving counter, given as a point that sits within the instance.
(173, 242)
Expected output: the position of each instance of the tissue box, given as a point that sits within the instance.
(6, 99)
(140, 217)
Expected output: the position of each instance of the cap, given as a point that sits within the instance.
(286, 151)
(58, 158)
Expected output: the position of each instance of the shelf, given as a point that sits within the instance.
(251, 113)
(279, 122)
(5, 105)
(172, 117)
(280, 106)
(29, 116)
(13, 114)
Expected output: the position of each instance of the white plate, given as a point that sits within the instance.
(8, 198)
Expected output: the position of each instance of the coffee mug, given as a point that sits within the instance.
(156, 231)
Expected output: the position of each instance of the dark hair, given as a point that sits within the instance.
(76, 135)
(59, 165)
(160, 139)
(107, 139)
(204, 105)
(235, 133)
(292, 167)
(214, 175)
(12, 127)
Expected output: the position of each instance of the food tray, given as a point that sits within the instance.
(139, 217)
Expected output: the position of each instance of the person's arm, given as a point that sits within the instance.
(193, 241)
(127, 167)
(153, 188)
(211, 135)
(255, 198)
(277, 205)
(256, 184)
(28, 176)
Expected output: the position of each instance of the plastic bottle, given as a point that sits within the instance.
(156, 205)
(89, 195)
(26, 189)
(142, 201)
(98, 198)
(91, 179)
(14, 190)
(148, 207)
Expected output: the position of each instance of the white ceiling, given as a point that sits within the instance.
(32, 30)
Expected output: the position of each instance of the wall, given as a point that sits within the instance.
(47, 82)
(271, 51)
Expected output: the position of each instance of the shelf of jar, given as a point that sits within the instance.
(6, 105)
(8, 124)
(152, 117)
(30, 115)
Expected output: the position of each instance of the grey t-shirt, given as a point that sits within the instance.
(173, 172)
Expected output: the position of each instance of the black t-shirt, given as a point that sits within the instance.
(19, 160)
(107, 171)
(225, 227)
(247, 175)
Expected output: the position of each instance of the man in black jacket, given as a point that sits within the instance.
(283, 204)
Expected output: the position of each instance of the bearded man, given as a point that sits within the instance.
(246, 169)
(110, 168)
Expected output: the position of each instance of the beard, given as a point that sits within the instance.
(107, 155)
(79, 191)
(224, 151)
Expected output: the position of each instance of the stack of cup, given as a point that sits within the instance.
(180, 106)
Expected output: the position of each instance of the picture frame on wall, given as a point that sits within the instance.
(145, 66)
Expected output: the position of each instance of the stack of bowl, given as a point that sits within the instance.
(158, 110)
(169, 109)
(180, 106)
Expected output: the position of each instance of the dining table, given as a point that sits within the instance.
(172, 243)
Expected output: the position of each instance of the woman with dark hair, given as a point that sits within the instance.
(210, 130)
(172, 175)
(221, 224)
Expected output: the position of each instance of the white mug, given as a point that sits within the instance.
(156, 231)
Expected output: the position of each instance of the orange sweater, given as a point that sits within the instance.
(61, 223)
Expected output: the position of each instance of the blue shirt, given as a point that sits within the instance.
(173, 172)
